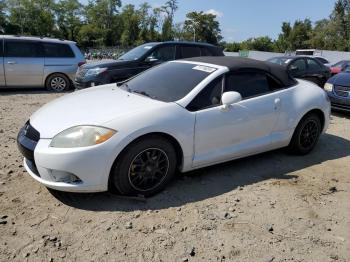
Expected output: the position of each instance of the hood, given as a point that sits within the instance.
(109, 64)
(93, 106)
(341, 79)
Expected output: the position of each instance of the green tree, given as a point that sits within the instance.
(263, 43)
(202, 27)
(69, 14)
(130, 18)
(33, 17)
(103, 14)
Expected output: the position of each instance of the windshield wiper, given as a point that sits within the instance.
(142, 93)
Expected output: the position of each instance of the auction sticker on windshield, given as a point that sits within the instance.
(204, 68)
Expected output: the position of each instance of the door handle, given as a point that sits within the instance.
(11, 62)
(277, 103)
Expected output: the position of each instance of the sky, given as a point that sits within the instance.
(242, 19)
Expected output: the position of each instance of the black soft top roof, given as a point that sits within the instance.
(239, 63)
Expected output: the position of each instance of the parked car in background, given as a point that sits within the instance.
(338, 89)
(181, 115)
(140, 59)
(304, 67)
(338, 67)
(38, 62)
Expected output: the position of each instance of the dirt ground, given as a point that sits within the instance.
(270, 207)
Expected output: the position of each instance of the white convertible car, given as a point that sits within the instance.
(181, 115)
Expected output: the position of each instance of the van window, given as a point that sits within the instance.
(57, 50)
(18, 48)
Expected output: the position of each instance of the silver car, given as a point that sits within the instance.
(38, 62)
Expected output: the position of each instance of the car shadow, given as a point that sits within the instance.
(216, 180)
(341, 114)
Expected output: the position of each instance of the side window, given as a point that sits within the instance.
(210, 96)
(248, 84)
(298, 66)
(190, 51)
(206, 52)
(17, 48)
(166, 53)
(313, 65)
(57, 50)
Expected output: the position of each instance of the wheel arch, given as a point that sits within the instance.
(58, 73)
(170, 138)
(319, 113)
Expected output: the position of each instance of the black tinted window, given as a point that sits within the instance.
(190, 51)
(313, 65)
(206, 52)
(166, 53)
(298, 66)
(57, 50)
(16, 48)
(168, 82)
(210, 96)
(248, 84)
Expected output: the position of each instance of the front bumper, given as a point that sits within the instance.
(90, 81)
(69, 169)
(339, 103)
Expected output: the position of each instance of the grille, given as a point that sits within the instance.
(31, 133)
(343, 91)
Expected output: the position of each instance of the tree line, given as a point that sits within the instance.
(327, 34)
(105, 22)
(109, 23)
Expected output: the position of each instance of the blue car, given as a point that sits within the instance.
(338, 89)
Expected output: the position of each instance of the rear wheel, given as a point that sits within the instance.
(306, 135)
(57, 83)
(145, 167)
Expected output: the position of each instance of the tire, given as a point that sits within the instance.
(57, 83)
(145, 167)
(306, 135)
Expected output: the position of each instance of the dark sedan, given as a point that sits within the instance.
(338, 89)
(307, 68)
(138, 60)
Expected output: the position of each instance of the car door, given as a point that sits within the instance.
(2, 71)
(298, 68)
(316, 72)
(23, 63)
(242, 129)
(158, 56)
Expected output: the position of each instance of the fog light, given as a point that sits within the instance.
(65, 177)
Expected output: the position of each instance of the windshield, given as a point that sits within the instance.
(168, 82)
(279, 60)
(137, 52)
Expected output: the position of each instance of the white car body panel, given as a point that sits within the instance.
(206, 137)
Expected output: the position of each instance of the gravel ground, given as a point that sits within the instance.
(270, 207)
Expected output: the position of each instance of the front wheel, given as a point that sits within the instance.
(145, 167)
(57, 83)
(306, 135)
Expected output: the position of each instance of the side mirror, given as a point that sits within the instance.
(151, 59)
(229, 98)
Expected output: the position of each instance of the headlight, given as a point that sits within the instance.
(95, 71)
(82, 136)
(328, 87)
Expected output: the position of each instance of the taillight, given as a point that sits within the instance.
(81, 63)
